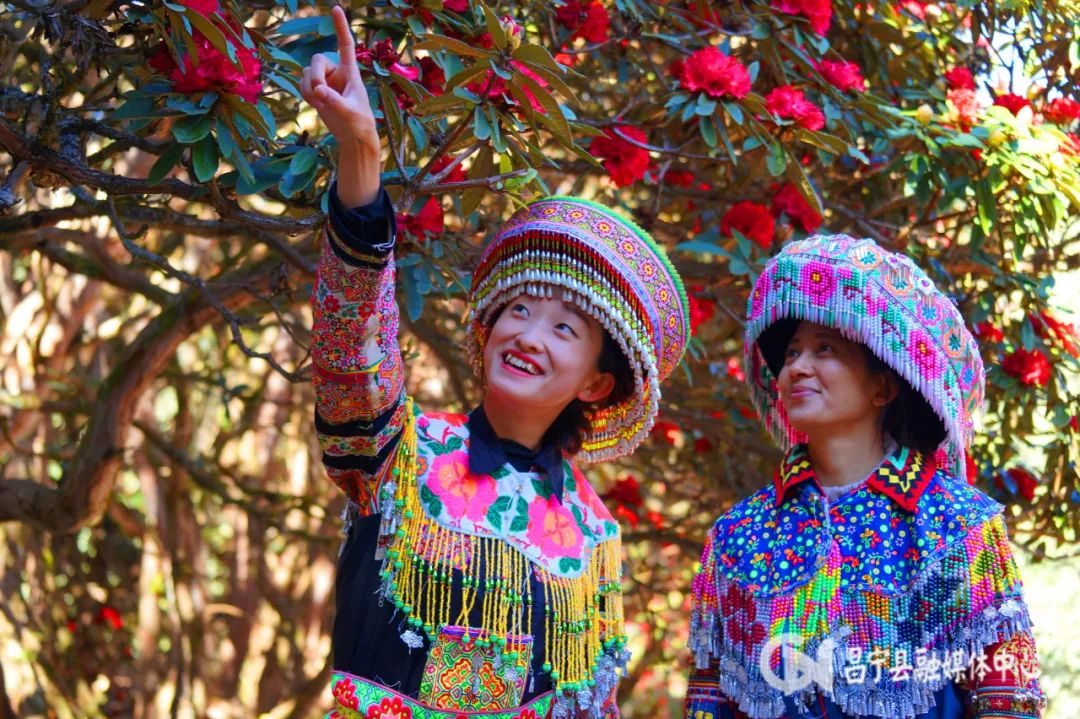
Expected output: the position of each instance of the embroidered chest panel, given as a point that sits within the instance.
(876, 544)
(517, 507)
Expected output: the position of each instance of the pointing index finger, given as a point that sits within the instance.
(346, 44)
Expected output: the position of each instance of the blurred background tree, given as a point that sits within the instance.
(169, 536)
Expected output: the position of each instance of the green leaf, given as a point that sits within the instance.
(536, 55)
(268, 118)
(166, 161)
(708, 131)
(441, 105)
(705, 105)
(558, 124)
(735, 111)
(136, 107)
(441, 42)
(323, 26)
(494, 27)
(481, 168)
(776, 160)
(303, 160)
(481, 124)
(519, 524)
(467, 75)
(189, 130)
(212, 33)
(204, 158)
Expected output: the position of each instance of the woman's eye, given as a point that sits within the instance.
(564, 327)
(520, 308)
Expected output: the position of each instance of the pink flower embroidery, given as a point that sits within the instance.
(921, 350)
(345, 693)
(553, 528)
(818, 281)
(463, 493)
(389, 708)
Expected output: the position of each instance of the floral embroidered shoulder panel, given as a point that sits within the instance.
(890, 592)
(518, 507)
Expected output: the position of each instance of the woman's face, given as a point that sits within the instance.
(826, 384)
(542, 353)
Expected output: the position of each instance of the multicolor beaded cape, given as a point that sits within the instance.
(615, 272)
(483, 535)
(882, 300)
(876, 600)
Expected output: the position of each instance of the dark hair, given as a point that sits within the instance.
(570, 427)
(909, 418)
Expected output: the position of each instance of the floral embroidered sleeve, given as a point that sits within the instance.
(358, 377)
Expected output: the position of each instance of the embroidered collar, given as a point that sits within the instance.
(902, 476)
(487, 452)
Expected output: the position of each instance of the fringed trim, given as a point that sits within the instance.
(964, 602)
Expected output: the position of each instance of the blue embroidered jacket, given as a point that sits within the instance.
(899, 599)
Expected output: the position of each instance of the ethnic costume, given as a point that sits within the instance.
(478, 576)
(898, 597)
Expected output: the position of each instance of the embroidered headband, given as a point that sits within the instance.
(613, 271)
(881, 299)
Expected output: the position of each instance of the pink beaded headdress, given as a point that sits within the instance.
(615, 272)
(881, 299)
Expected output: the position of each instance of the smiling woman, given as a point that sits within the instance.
(480, 571)
(869, 579)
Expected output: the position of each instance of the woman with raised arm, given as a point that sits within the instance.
(480, 572)
(868, 579)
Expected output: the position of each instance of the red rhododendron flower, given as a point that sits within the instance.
(710, 71)
(625, 162)
(915, 7)
(655, 518)
(989, 332)
(818, 12)
(789, 103)
(1071, 146)
(1031, 368)
(679, 178)
(1074, 423)
(735, 370)
(214, 72)
(1012, 103)
(960, 78)
(456, 175)
(1050, 328)
(752, 220)
(497, 89)
(624, 512)
(111, 617)
(588, 20)
(842, 75)
(626, 490)
(203, 7)
(701, 310)
(428, 221)
(456, 5)
(1062, 111)
(432, 76)
(967, 106)
(1023, 482)
(790, 201)
(703, 445)
(667, 431)
(972, 468)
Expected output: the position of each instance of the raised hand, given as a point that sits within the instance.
(337, 93)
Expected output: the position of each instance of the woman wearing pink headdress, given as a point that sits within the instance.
(481, 575)
(868, 579)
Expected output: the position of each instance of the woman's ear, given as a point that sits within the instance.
(887, 389)
(597, 388)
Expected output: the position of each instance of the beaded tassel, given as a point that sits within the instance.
(427, 563)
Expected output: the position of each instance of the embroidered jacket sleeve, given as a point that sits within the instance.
(1004, 678)
(358, 375)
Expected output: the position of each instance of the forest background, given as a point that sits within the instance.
(168, 535)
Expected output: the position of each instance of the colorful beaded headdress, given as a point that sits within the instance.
(612, 270)
(881, 299)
